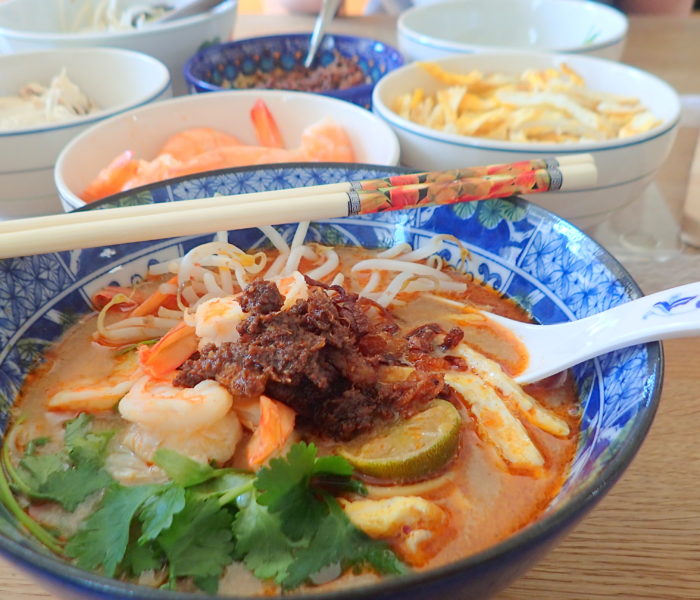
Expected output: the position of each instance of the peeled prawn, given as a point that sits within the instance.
(216, 321)
(326, 141)
(187, 144)
(197, 422)
(93, 395)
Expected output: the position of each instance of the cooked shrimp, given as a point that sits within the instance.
(194, 141)
(151, 171)
(326, 140)
(234, 156)
(216, 321)
(93, 395)
(112, 178)
(266, 129)
(197, 422)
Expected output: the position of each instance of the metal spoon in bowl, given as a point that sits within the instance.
(187, 8)
(664, 315)
(325, 16)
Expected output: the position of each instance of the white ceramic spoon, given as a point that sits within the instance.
(664, 315)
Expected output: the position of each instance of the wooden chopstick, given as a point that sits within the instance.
(66, 234)
(107, 214)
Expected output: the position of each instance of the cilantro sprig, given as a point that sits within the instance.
(284, 523)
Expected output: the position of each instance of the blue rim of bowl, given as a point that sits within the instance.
(365, 88)
(538, 532)
(90, 121)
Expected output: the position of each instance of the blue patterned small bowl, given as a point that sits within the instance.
(216, 67)
(525, 252)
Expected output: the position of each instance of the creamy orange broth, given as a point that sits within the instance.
(484, 498)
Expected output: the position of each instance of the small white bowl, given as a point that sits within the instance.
(437, 29)
(116, 80)
(145, 130)
(42, 24)
(625, 166)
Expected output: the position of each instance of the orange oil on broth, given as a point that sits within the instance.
(484, 498)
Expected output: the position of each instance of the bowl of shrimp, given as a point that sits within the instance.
(204, 132)
(323, 409)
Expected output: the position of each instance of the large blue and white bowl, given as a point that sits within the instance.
(523, 251)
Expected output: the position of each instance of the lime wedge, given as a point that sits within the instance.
(411, 449)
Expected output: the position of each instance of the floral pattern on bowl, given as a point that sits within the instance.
(216, 67)
(544, 263)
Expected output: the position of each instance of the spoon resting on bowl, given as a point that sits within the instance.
(664, 315)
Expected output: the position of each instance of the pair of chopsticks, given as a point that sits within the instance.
(103, 227)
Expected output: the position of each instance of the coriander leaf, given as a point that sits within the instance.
(157, 513)
(286, 488)
(181, 469)
(332, 465)
(142, 557)
(337, 540)
(36, 443)
(104, 535)
(36, 468)
(83, 446)
(227, 487)
(283, 475)
(208, 584)
(260, 543)
(69, 487)
(199, 541)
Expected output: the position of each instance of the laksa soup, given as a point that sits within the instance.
(308, 417)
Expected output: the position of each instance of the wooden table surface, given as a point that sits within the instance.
(643, 540)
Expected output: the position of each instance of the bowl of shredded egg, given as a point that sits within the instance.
(434, 29)
(141, 25)
(499, 107)
(47, 97)
(313, 410)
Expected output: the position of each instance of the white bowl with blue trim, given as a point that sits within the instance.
(115, 80)
(27, 25)
(432, 30)
(625, 166)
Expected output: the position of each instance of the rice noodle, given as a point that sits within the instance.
(396, 285)
(169, 313)
(328, 266)
(371, 284)
(295, 257)
(395, 251)
(276, 239)
(386, 264)
(426, 250)
(422, 284)
(212, 286)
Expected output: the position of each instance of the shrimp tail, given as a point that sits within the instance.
(152, 303)
(265, 126)
(275, 428)
(173, 349)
